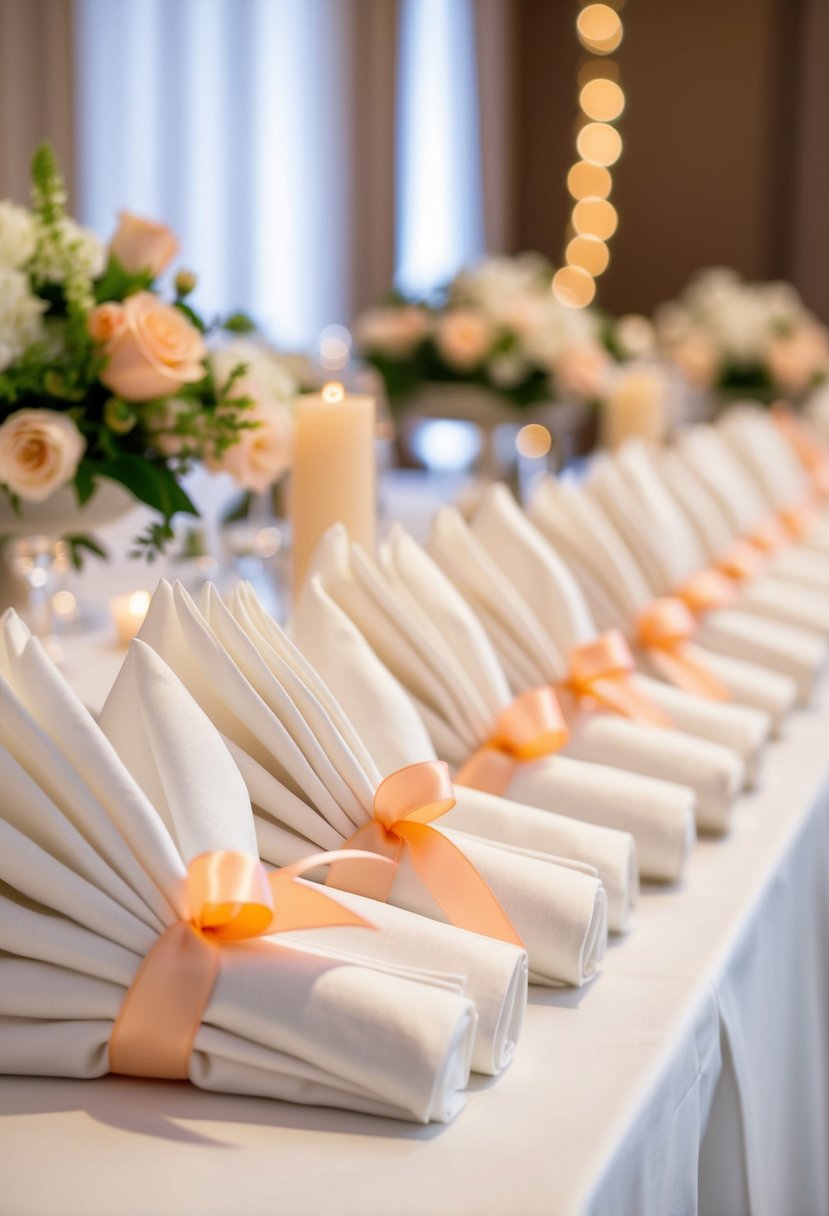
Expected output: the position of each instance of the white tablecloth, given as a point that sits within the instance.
(693, 1075)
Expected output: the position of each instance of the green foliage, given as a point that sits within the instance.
(239, 323)
(116, 283)
(80, 544)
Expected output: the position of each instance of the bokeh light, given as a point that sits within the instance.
(599, 142)
(588, 252)
(589, 179)
(602, 100)
(595, 217)
(599, 28)
(573, 287)
(335, 347)
(533, 440)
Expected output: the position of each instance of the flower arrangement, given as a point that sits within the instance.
(729, 335)
(100, 378)
(497, 325)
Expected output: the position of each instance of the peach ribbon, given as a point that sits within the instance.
(705, 591)
(742, 562)
(405, 805)
(664, 630)
(600, 672)
(807, 447)
(232, 897)
(531, 727)
(769, 536)
(799, 521)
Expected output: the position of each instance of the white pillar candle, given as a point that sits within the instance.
(128, 612)
(334, 475)
(635, 406)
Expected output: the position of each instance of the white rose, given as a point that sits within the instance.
(505, 371)
(17, 235)
(635, 336)
(39, 452)
(88, 254)
(21, 316)
(269, 376)
(463, 338)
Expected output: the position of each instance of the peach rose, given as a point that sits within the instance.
(39, 452)
(796, 359)
(582, 370)
(105, 322)
(141, 244)
(154, 353)
(262, 453)
(463, 338)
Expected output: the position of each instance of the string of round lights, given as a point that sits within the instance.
(593, 218)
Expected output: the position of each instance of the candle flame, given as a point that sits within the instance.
(333, 392)
(138, 604)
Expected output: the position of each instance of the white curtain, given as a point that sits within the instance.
(228, 120)
(439, 181)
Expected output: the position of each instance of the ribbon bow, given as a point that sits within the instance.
(664, 629)
(600, 672)
(232, 897)
(531, 727)
(405, 805)
(705, 591)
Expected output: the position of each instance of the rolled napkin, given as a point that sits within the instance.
(132, 932)
(392, 730)
(431, 641)
(799, 653)
(311, 783)
(552, 599)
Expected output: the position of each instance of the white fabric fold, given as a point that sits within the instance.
(312, 784)
(431, 640)
(93, 871)
(393, 731)
(574, 521)
(545, 599)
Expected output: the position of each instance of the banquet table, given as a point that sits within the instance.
(692, 1075)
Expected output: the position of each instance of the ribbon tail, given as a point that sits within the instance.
(687, 673)
(305, 906)
(620, 696)
(487, 769)
(455, 884)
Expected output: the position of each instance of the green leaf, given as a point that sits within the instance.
(85, 481)
(150, 482)
(116, 283)
(191, 315)
(79, 545)
(239, 323)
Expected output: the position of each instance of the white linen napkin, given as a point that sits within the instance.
(757, 442)
(393, 731)
(634, 478)
(568, 511)
(93, 873)
(430, 639)
(716, 773)
(312, 786)
(553, 599)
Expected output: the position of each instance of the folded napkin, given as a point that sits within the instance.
(97, 877)
(569, 511)
(760, 443)
(313, 785)
(631, 484)
(393, 731)
(430, 639)
(553, 602)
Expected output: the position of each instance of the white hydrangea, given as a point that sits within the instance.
(21, 316)
(267, 378)
(18, 235)
(88, 255)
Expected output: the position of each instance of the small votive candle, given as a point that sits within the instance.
(128, 612)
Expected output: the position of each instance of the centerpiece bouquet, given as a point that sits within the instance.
(732, 337)
(103, 380)
(497, 326)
